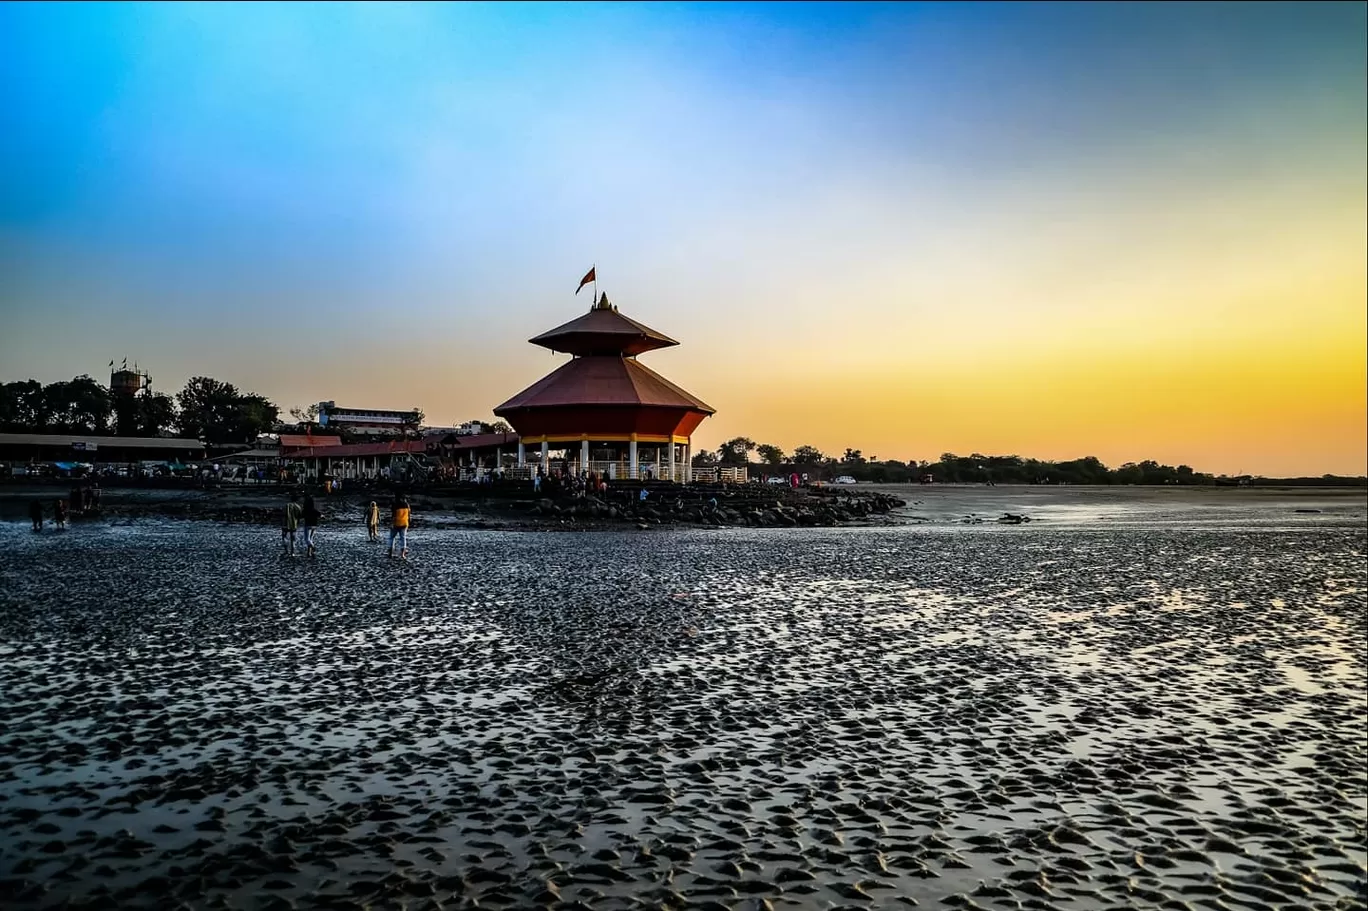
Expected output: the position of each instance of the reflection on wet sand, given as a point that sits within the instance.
(1130, 717)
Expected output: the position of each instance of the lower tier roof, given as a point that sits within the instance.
(603, 380)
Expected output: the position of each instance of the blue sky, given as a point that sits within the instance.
(378, 203)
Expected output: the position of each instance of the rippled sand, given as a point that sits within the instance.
(991, 717)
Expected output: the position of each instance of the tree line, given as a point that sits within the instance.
(206, 408)
(971, 469)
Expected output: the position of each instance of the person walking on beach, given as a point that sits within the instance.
(36, 514)
(311, 517)
(373, 521)
(399, 524)
(59, 514)
(287, 531)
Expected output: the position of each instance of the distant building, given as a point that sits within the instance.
(468, 429)
(365, 420)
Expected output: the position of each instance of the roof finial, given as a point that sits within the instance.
(603, 303)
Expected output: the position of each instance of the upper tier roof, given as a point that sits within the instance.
(603, 381)
(603, 331)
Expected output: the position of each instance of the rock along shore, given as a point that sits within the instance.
(508, 506)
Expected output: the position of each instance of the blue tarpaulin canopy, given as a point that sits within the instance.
(66, 466)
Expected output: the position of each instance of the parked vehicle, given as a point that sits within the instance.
(845, 479)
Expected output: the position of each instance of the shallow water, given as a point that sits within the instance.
(1002, 717)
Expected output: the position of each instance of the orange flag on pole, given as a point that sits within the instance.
(588, 277)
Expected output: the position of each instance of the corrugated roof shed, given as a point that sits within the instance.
(352, 450)
(291, 440)
(63, 439)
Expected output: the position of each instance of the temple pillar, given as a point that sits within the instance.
(688, 462)
(522, 454)
(657, 468)
(584, 454)
(670, 464)
(546, 457)
(632, 471)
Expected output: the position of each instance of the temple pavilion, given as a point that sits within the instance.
(604, 409)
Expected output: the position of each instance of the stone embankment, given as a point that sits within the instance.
(509, 506)
(758, 509)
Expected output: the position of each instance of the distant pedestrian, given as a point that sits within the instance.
(399, 525)
(290, 527)
(373, 521)
(311, 517)
(36, 514)
(95, 495)
(59, 514)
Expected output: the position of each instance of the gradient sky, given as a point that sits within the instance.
(1123, 230)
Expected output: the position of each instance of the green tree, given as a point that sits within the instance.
(1129, 473)
(808, 455)
(217, 413)
(704, 458)
(92, 404)
(307, 415)
(156, 414)
(24, 406)
(80, 405)
(205, 408)
(736, 451)
(853, 457)
(253, 415)
(770, 454)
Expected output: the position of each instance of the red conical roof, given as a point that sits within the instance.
(603, 331)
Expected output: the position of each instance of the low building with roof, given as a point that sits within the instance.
(605, 409)
(359, 460)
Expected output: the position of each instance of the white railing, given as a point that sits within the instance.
(717, 474)
(617, 471)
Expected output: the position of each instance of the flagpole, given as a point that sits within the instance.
(595, 285)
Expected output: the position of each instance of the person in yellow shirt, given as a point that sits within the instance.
(399, 524)
(373, 521)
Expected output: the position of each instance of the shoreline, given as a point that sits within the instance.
(743, 506)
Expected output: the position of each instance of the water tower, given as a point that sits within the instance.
(125, 382)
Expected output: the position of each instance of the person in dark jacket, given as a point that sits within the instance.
(311, 517)
(36, 514)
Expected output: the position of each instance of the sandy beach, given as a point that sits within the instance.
(1139, 699)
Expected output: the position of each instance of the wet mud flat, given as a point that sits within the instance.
(993, 717)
